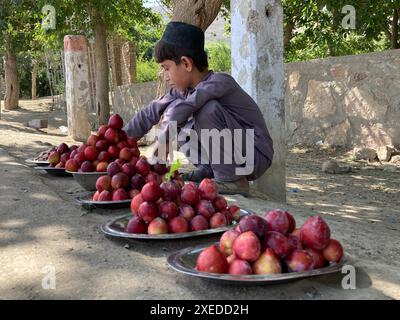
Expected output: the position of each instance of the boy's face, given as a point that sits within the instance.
(179, 76)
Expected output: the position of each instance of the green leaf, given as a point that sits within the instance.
(174, 167)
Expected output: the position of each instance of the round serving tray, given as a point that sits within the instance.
(59, 172)
(184, 261)
(87, 202)
(116, 228)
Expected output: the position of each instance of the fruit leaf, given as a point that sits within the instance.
(174, 167)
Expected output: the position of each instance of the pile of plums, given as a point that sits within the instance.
(171, 207)
(58, 157)
(271, 244)
(109, 144)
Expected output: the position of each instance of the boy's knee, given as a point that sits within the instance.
(261, 166)
(211, 110)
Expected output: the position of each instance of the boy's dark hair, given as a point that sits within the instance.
(165, 51)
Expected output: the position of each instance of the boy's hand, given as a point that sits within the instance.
(161, 152)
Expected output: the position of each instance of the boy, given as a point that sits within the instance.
(200, 99)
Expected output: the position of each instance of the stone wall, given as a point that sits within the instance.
(349, 101)
(129, 99)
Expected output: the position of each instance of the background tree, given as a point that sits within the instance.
(96, 19)
(17, 23)
(100, 19)
(200, 13)
(313, 29)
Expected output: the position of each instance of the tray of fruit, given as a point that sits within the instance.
(87, 180)
(124, 180)
(264, 250)
(34, 162)
(159, 229)
(55, 157)
(42, 158)
(58, 172)
(109, 151)
(87, 201)
(167, 208)
(53, 161)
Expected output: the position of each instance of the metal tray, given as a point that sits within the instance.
(87, 179)
(59, 172)
(116, 228)
(87, 203)
(184, 261)
(38, 163)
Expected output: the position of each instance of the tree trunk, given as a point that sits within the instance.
(12, 81)
(331, 50)
(200, 13)
(35, 67)
(162, 85)
(2, 85)
(101, 63)
(288, 33)
(395, 30)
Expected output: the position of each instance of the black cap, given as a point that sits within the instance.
(184, 35)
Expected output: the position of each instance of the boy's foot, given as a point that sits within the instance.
(240, 186)
(197, 175)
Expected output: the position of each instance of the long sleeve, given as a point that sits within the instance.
(182, 109)
(146, 118)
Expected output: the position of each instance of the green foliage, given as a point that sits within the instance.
(42, 83)
(24, 66)
(302, 48)
(219, 56)
(17, 22)
(128, 18)
(145, 37)
(316, 28)
(146, 70)
(21, 31)
(226, 14)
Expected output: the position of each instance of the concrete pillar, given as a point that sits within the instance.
(77, 86)
(257, 64)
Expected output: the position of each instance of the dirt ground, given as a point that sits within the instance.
(42, 225)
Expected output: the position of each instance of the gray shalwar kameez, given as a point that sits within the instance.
(217, 102)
